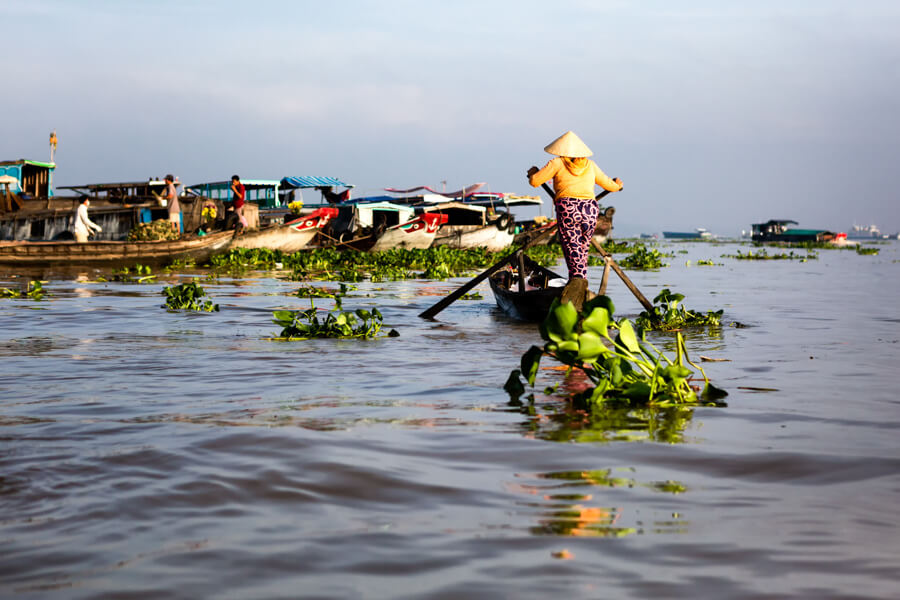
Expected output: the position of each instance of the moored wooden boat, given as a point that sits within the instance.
(417, 233)
(197, 248)
(290, 237)
(531, 301)
(470, 226)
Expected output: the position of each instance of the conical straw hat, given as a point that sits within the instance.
(568, 144)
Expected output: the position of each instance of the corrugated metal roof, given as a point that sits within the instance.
(310, 181)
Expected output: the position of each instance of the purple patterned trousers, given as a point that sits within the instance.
(576, 220)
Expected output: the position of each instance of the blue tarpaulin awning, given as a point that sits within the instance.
(309, 181)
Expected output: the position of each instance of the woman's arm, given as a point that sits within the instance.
(604, 181)
(545, 174)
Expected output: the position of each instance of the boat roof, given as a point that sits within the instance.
(488, 199)
(311, 181)
(111, 186)
(369, 206)
(474, 199)
(778, 222)
(455, 205)
(249, 184)
(25, 161)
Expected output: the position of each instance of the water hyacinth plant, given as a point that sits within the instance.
(33, 291)
(305, 324)
(188, 296)
(623, 369)
(643, 260)
(670, 314)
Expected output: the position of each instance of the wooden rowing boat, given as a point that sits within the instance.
(197, 248)
(532, 301)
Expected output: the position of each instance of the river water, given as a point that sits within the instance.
(154, 454)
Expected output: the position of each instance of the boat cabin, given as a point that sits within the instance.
(272, 196)
(26, 178)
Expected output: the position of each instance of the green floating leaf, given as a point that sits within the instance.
(561, 321)
(590, 346)
(601, 302)
(711, 393)
(627, 338)
(514, 386)
(597, 321)
(531, 361)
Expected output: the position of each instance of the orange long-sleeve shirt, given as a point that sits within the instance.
(569, 185)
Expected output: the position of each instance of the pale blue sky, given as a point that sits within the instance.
(715, 113)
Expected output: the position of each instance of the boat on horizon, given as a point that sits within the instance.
(697, 234)
(776, 230)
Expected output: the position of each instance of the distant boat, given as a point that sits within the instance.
(863, 232)
(697, 234)
(777, 231)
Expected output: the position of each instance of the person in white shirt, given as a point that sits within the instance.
(83, 224)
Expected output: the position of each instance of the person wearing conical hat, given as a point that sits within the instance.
(574, 175)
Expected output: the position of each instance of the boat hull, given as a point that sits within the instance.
(92, 253)
(293, 236)
(489, 237)
(419, 233)
(531, 305)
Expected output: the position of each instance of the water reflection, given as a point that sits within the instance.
(567, 506)
(558, 421)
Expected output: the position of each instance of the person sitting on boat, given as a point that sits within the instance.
(240, 194)
(574, 176)
(171, 197)
(84, 227)
(333, 197)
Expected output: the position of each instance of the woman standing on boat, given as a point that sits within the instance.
(84, 227)
(574, 176)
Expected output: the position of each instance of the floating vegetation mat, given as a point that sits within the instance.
(329, 264)
(764, 255)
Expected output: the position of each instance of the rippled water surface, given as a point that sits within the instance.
(154, 454)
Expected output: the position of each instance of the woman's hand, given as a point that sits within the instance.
(531, 172)
(619, 181)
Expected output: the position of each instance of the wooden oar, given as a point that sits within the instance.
(450, 299)
(615, 267)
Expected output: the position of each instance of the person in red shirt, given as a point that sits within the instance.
(240, 194)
